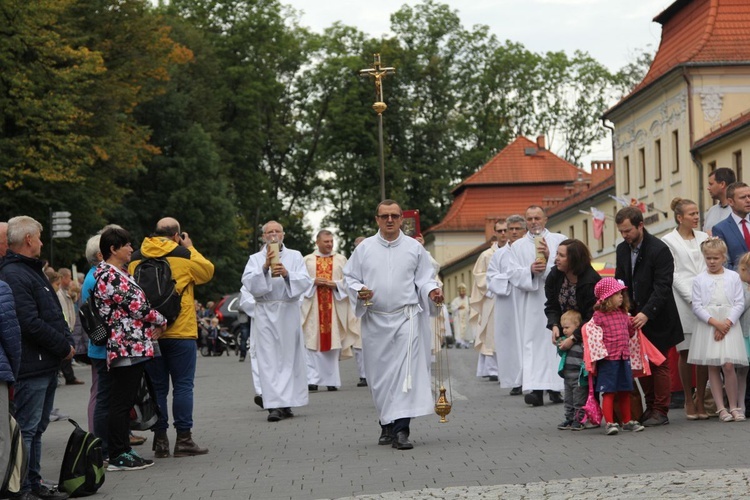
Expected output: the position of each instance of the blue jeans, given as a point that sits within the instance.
(177, 361)
(244, 335)
(34, 398)
(101, 408)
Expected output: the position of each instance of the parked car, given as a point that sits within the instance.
(227, 312)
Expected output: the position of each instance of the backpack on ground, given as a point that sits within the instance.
(154, 276)
(82, 471)
(145, 412)
(18, 462)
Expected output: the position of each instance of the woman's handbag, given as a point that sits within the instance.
(592, 409)
(92, 323)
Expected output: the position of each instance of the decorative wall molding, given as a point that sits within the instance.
(665, 116)
(712, 100)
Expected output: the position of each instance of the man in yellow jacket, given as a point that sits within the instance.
(178, 343)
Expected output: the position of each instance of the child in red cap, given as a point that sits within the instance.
(614, 378)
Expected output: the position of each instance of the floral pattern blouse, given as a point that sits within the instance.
(122, 304)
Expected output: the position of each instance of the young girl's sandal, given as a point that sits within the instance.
(738, 414)
(724, 415)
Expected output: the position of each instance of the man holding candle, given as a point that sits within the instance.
(277, 279)
(390, 279)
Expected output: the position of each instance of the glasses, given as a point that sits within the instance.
(388, 216)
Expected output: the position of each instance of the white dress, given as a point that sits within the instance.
(704, 350)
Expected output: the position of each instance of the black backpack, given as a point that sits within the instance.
(154, 276)
(82, 470)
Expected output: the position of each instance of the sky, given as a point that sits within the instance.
(611, 31)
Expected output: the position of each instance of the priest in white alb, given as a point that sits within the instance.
(277, 280)
(390, 280)
(330, 328)
(530, 263)
(508, 344)
(482, 303)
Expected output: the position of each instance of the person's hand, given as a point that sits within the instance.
(279, 270)
(324, 282)
(186, 241)
(544, 248)
(718, 335)
(566, 344)
(538, 267)
(639, 320)
(726, 326)
(555, 334)
(437, 296)
(462, 306)
(365, 293)
(71, 353)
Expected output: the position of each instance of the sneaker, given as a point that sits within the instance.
(612, 429)
(633, 426)
(56, 415)
(589, 425)
(564, 425)
(577, 426)
(126, 461)
(140, 459)
(46, 492)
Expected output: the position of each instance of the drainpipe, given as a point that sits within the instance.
(696, 161)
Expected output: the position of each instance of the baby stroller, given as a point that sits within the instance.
(217, 345)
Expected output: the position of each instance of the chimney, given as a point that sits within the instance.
(540, 142)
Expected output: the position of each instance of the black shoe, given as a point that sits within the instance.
(655, 420)
(401, 441)
(362, 382)
(386, 436)
(287, 412)
(534, 398)
(492, 378)
(258, 400)
(275, 415)
(516, 391)
(242, 358)
(332, 388)
(48, 493)
(555, 397)
(312, 387)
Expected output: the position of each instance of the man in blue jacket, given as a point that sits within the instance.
(45, 341)
(10, 362)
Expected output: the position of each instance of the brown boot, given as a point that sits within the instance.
(186, 447)
(161, 444)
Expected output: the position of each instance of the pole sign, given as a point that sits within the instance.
(61, 225)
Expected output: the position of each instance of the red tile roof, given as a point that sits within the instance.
(513, 165)
(508, 184)
(731, 126)
(582, 196)
(699, 32)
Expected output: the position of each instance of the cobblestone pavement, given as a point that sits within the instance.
(494, 446)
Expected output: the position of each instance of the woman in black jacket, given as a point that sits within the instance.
(570, 286)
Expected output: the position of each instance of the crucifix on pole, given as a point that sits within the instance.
(378, 72)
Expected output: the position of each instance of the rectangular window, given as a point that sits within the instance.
(711, 166)
(737, 160)
(586, 232)
(571, 231)
(642, 167)
(675, 151)
(657, 160)
(626, 174)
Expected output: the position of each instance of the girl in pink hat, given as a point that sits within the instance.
(614, 378)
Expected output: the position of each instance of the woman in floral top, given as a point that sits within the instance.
(133, 326)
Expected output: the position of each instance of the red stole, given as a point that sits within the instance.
(324, 269)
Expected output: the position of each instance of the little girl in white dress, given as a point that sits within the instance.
(718, 302)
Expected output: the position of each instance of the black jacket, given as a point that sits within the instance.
(45, 337)
(585, 298)
(650, 290)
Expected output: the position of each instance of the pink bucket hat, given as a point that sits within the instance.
(607, 287)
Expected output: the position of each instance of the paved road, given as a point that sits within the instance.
(493, 447)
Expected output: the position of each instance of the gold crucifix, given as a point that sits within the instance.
(378, 72)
